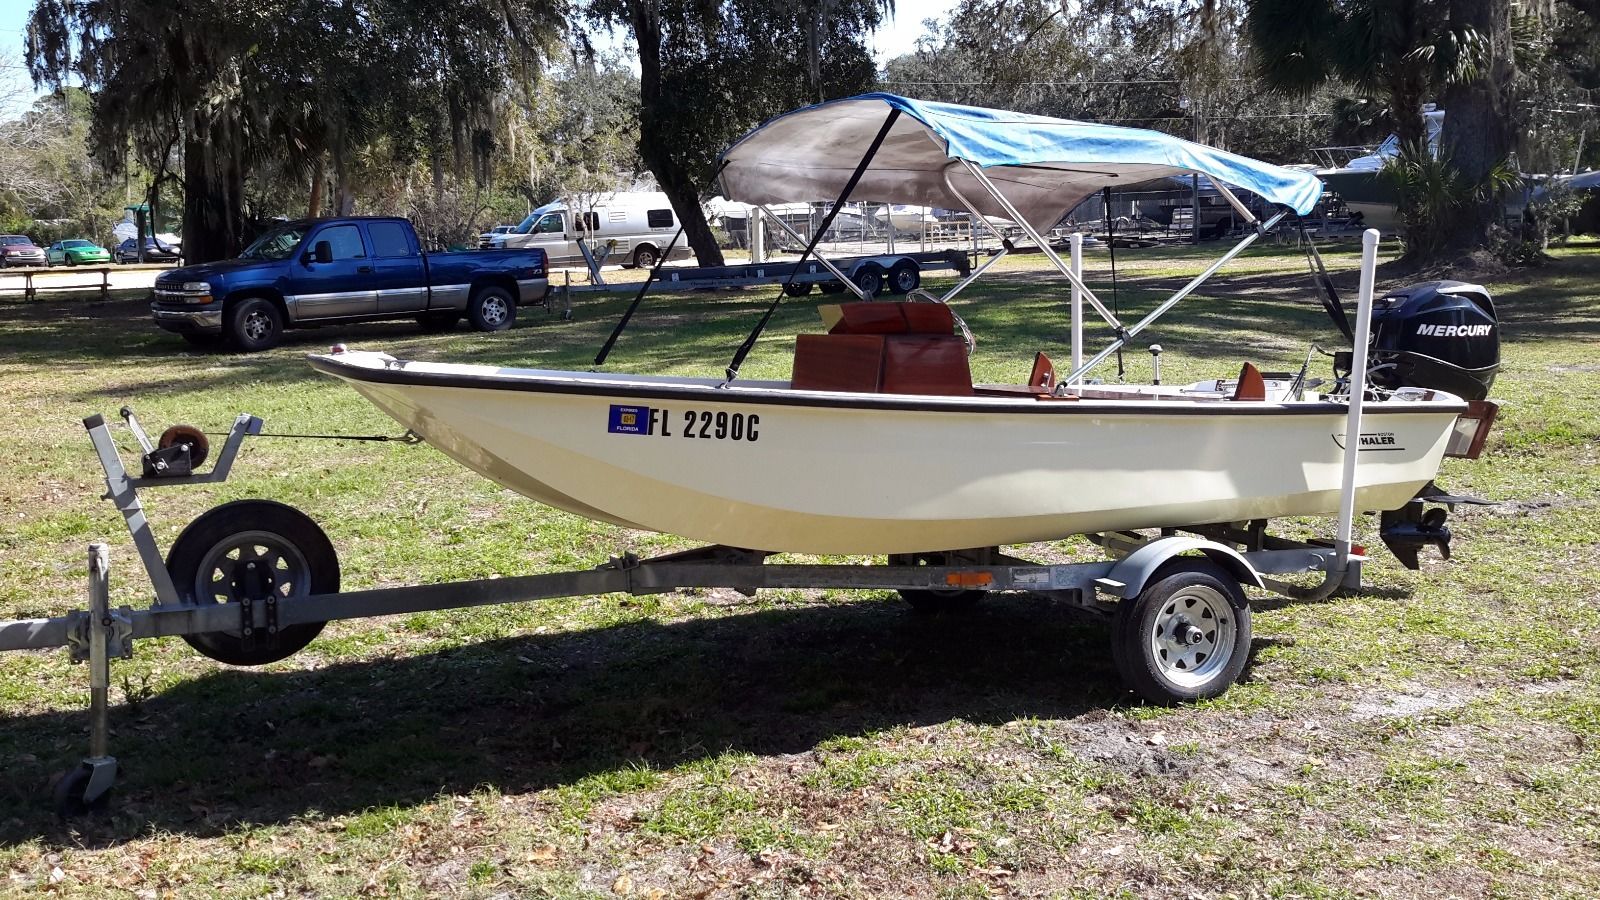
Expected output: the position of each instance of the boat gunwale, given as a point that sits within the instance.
(554, 383)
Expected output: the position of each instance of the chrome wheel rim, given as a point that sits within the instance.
(493, 311)
(251, 559)
(257, 325)
(1193, 635)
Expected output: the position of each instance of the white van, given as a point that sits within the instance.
(635, 225)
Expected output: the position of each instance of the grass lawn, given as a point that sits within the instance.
(1436, 735)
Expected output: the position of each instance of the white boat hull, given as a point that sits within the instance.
(829, 473)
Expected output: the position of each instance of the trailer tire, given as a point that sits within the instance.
(798, 289)
(935, 602)
(905, 277)
(491, 309)
(869, 278)
(295, 553)
(1186, 636)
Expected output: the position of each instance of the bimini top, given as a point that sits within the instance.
(1044, 166)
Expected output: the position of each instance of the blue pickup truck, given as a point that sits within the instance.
(335, 271)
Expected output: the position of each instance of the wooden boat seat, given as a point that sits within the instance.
(884, 347)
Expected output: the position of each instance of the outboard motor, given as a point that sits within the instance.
(1437, 334)
(1441, 335)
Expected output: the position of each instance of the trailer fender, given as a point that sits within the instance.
(1128, 577)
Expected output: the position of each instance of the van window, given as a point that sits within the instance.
(589, 221)
(550, 224)
(659, 218)
(389, 239)
(346, 241)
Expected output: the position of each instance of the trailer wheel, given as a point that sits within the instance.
(869, 278)
(935, 602)
(491, 309)
(67, 795)
(1186, 636)
(798, 289)
(252, 548)
(905, 277)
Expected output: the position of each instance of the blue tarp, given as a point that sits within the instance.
(1044, 166)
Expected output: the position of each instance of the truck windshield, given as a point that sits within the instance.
(526, 225)
(279, 243)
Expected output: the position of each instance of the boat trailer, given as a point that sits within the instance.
(269, 617)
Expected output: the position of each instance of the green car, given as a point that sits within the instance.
(75, 252)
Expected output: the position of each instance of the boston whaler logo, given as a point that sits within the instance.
(1372, 440)
(1455, 331)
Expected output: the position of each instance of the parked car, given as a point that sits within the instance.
(155, 250)
(75, 252)
(486, 239)
(19, 250)
(334, 271)
(636, 226)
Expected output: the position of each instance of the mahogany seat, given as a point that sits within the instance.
(890, 347)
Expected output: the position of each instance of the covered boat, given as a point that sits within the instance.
(880, 443)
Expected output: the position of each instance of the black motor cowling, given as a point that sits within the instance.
(1438, 334)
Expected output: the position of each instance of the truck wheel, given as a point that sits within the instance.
(491, 309)
(870, 279)
(645, 257)
(1186, 636)
(256, 549)
(833, 287)
(798, 289)
(438, 323)
(254, 324)
(904, 278)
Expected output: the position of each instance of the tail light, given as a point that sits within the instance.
(1472, 429)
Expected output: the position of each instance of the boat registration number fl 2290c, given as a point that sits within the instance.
(688, 423)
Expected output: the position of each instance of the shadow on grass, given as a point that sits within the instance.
(534, 712)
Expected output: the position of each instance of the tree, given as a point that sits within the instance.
(709, 71)
(244, 85)
(1480, 125)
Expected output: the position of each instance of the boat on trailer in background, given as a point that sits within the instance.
(880, 444)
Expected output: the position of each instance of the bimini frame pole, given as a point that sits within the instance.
(1075, 243)
(1030, 231)
(1358, 392)
(826, 263)
(1128, 334)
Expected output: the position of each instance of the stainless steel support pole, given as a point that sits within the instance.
(848, 282)
(1033, 235)
(961, 285)
(1076, 245)
(1170, 302)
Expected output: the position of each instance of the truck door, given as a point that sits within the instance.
(342, 287)
(397, 272)
(550, 234)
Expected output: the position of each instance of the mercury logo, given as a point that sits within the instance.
(1454, 330)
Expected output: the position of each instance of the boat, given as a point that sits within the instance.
(880, 443)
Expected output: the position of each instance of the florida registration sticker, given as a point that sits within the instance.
(629, 419)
